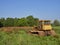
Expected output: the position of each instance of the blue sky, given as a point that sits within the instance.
(42, 9)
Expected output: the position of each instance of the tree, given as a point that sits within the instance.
(1, 25)
(16, 21)
(30, 20)
(22, 22)
(2, 21)
(36, 21)
(56, 23)
(9, 22)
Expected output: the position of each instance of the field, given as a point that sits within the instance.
(19, 36)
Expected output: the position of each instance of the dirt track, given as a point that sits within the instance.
(8, 29)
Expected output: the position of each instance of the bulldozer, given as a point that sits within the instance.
(43, 29)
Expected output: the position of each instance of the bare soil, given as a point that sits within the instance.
(9, 29)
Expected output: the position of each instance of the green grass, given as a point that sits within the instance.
(57, 29)
(22, 38)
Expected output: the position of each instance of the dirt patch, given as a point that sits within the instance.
(9, 29)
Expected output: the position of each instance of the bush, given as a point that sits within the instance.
(1, 25)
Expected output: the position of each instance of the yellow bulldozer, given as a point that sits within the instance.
(43, 29)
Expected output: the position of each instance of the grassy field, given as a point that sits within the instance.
(20, 37)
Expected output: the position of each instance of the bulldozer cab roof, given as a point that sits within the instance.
(44, 20)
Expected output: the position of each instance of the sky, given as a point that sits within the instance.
(42, 9)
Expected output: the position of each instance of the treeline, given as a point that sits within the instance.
(26, 21)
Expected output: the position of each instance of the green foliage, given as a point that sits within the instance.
(1, 25)
(32, 21)
(57, 29)
(16, 21)
(2, 21)
(28, 21)
(36, 21)
(22, 22)
(56, 23)
(9, 22)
